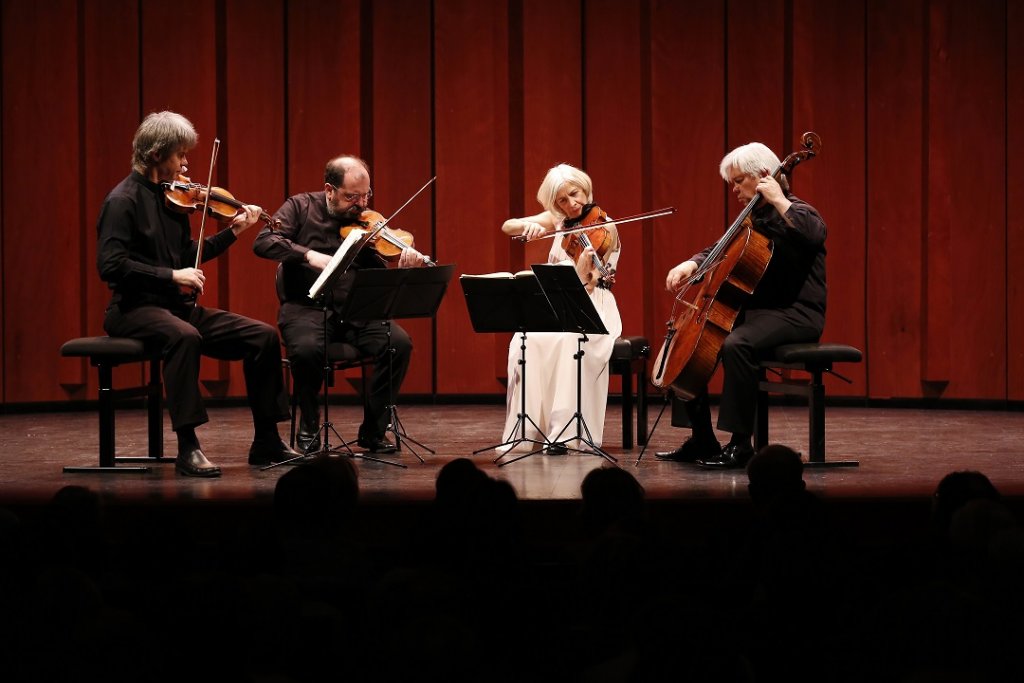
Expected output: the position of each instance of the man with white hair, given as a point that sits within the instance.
(786, 307)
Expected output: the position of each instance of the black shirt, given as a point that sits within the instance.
(141, 241)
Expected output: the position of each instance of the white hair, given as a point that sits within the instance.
(754, 159)
(556, 179)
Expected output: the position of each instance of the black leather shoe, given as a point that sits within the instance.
(731, 457)
(308, 440)
(193, 463)
(376, 444)
(556, 449)
(692, 450)
(271, 452)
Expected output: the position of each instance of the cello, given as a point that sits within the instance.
(712, 297)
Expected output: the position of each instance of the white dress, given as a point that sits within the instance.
(551, 375)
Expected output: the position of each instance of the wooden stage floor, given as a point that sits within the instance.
(903, 453)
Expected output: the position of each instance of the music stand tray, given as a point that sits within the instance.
(384, 294)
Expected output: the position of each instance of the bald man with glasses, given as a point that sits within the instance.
(309, 234)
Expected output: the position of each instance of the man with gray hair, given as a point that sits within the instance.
(147, 256)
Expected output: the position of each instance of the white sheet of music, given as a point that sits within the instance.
(353, 237)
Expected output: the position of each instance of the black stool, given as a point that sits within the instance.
(106, 353)
(815, 359)
(630, 356)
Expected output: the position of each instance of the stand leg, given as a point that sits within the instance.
(522, 419)
(394, 423)
(577, 418)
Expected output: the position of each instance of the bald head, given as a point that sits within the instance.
(339, 168)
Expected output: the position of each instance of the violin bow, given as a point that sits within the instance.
(206, 202)
(407, 201)
(617, 221)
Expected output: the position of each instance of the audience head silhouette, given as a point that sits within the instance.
(317, 496)
(610, 495)
(775, 471)
(955, 490)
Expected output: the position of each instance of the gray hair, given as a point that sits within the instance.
(160, 135)
(558, 177)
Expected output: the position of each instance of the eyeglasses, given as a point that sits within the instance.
(354, 197)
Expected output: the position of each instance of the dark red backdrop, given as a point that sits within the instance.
(917, 103)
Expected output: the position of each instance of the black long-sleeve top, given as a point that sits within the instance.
(141, 241)
(305, 224)
(795, 277)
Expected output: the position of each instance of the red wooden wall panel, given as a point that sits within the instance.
(471, 152)
(828, 86)
(42, 264)
(896, 184)
(916, 101)
(755, 57)
(966, 331)
(110, 115)
(323, 90)
(612, 144)
(402, 149)
(1015, 197)
(252, 162)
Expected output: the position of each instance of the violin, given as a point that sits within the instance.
(185, 196)
(389, 243)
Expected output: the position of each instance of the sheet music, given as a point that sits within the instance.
(353, 237)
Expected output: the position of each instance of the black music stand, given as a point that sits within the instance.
(383, 294)
(576, 312)
(512, 304)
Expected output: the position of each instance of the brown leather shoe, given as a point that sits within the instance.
(193, 463)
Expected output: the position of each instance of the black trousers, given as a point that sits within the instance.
(302, 328)
(756, 332)
(186, 334)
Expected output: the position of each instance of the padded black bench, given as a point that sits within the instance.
(816, 360)
(629, 356)
(106, 353)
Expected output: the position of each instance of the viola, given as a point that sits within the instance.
(389, 243)
(185, 196)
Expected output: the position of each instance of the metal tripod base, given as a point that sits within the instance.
(511, 443)
(588, 440)
(327, 450)
(395, 427)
